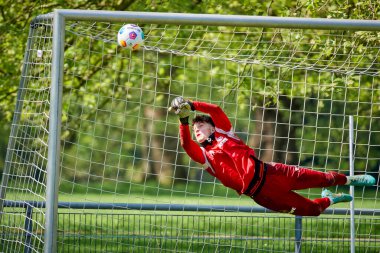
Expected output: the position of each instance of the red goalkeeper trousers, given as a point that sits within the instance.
(277, 192)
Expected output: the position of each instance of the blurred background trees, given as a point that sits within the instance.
(15, 18)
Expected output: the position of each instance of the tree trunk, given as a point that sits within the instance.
(273, 138)
(161, 150)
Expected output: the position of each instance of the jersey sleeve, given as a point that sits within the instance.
(190, 146)
(218, 116)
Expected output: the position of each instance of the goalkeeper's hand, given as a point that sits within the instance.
(182, 108)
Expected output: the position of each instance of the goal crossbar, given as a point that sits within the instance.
(214, 20)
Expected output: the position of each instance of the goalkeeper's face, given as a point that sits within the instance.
(202, 131)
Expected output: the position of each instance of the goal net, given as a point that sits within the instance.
(125, 183)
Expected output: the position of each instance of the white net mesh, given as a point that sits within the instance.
(287, 92)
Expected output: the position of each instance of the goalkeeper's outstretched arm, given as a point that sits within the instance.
(190, 146)
(182, 108)
(218, 116)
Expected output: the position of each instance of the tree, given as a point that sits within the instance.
(16, 16)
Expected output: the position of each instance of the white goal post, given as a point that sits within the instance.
(91, 117)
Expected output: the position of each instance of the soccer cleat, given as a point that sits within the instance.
(361, 180)
(336, 197)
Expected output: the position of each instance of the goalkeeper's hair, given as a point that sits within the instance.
(203, 118)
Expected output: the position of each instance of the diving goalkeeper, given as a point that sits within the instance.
(230, 160)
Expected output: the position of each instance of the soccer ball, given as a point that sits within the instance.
(130, 36)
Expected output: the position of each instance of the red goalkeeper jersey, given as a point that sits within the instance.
(226, 157)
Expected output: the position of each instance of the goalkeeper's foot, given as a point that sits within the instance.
(361, 180)
(336, 197)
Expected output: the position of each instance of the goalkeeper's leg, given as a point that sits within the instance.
(291, 202)
(299, 178)
(276, 193)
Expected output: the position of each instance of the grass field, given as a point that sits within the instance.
(185, 231)
(148, 231)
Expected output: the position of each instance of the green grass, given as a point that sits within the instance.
(204, 232)
(163, 231)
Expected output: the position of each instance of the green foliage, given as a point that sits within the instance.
(16, 16)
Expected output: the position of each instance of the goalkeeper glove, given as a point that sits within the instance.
(182, 108)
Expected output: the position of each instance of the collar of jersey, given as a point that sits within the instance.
(209, 140)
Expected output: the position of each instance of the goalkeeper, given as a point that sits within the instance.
(231, 161)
